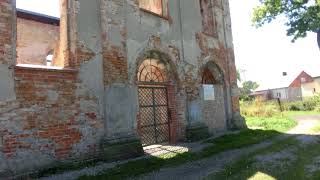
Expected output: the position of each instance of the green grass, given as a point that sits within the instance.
(244, 167)
(316, 129)
(279, 123)
(296, 113)
(227, 142)
(289, 168)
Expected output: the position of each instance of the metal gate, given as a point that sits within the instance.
(154, 115)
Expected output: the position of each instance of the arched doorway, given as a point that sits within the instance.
(154, 113)
(214, 95)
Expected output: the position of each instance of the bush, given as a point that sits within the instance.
(259, 108)
(309, 104)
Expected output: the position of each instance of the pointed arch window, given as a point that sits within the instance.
(207, 77)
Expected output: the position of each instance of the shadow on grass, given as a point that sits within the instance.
(227, 142)
(290, 158)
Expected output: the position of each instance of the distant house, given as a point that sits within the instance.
(302, 78)
(263, 95)
(311, 88)
(302, 86)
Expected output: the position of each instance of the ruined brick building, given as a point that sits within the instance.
(122, 74)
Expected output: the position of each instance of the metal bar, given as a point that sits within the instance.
(168, 114)
(147, 126)
(154, 116)
(153, 84)
(148, 106)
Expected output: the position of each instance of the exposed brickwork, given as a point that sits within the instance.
(114, 56)
(51, 110)
(33, 35)
(6, 32)
(174, 123)
(63, 114)
(115, 66)
(44, 86)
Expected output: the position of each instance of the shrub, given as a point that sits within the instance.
(308, 104)
(259, 108)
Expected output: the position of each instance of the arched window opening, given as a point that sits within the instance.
(152, 71)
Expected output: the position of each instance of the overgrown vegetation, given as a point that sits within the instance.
(309, 104)
(259, 108)
(266, 109)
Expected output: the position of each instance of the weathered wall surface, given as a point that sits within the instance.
(57, 114)
(63, 114)
(7, 50)
(35, 40)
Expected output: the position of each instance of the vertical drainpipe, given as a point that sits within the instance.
(229, 108)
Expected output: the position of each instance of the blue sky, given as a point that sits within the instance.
(261, 54)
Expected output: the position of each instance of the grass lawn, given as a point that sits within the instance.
(269, 127)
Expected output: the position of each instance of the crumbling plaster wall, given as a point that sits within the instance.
(7, 50)
(129, 32)
(62, 114)
(57, 114)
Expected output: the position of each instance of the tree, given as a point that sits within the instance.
(247, 88)
(302, 16)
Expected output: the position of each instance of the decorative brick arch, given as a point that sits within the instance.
(165, 59)
(212, 73)
(165, 76)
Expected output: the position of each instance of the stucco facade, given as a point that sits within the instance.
(90, 102)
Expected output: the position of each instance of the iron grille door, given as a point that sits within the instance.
(154, 115)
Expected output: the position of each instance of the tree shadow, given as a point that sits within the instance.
(291, 156)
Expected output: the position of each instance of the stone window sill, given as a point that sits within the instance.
(44, 68)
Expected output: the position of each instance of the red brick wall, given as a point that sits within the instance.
(50, 117)
(6, 32)
(174, 124)
(33, 35)
(297, 82)
(34, 85)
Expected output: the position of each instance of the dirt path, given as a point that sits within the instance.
(203, 168)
